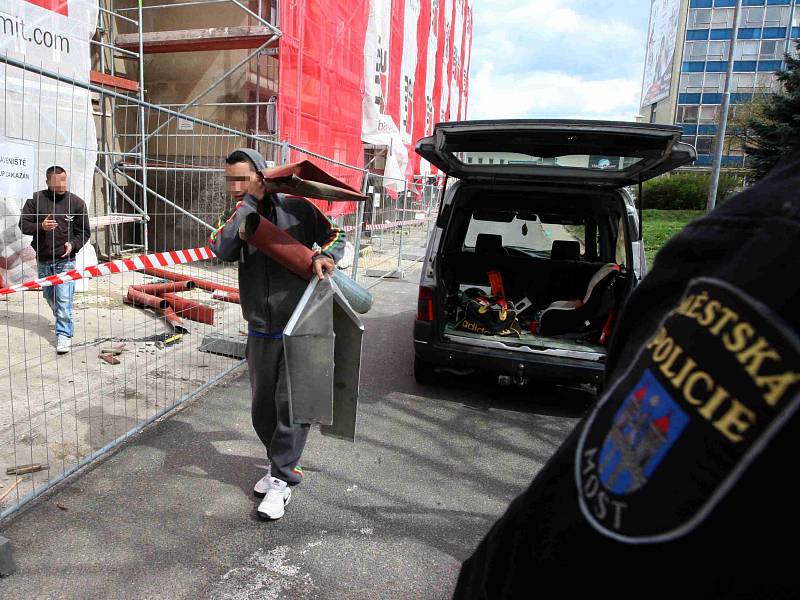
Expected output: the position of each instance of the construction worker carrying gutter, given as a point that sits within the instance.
(269, 293)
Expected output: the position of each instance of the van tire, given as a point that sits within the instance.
(423, 372)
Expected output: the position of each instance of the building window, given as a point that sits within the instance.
(699, 18)
(480, 161)
(691, 83)
(742, 83)
(733, 147)
(776, 16)
(705, 144)
(718, 50)
(753, 17)
(746, 50)
(708, 114)
(770, 50)
(469, 159)
(765, 83)
(713, 82)
(697, 50)
(722, 18)
(688, 114)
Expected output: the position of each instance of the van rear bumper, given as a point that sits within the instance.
(457, 356)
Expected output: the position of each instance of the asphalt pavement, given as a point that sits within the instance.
(172, 515)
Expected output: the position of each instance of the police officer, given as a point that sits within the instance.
(677, 483)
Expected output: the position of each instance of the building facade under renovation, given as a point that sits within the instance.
(140, 103)
(351, 85)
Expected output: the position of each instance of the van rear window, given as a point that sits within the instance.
(489, 233)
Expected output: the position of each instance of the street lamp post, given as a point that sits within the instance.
(723, 117)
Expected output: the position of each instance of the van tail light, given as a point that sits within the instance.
(425, 304)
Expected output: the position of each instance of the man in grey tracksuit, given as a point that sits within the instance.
(269, 293)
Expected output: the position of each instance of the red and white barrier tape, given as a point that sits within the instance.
(137, 263)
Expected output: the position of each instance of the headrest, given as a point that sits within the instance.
(565, 250)
(489, 243)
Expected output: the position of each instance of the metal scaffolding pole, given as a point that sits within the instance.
(197, 98)
(143, 130)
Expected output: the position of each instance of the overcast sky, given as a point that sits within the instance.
(557, 59)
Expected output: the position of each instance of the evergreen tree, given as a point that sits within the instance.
(771, 130)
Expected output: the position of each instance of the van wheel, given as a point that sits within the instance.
(423, 372)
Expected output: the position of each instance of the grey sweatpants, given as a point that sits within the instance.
(283, 440)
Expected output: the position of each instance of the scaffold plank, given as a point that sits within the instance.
(114, 81)
(197, 40)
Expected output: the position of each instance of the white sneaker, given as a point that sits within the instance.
(278, 496)
(63, 344)
(262, 486)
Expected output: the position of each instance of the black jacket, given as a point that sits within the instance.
(676, 484)
(268, 291)
(68, 210)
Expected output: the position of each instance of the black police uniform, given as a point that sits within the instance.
(678, 483)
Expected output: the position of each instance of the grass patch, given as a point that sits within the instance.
(661, 225)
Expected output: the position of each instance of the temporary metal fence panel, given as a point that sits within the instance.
(130, 364)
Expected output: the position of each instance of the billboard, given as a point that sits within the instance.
(661, 39)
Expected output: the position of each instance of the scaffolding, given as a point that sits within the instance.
(156, 189)
(137, 147)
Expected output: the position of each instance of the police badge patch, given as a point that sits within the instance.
(670, 438)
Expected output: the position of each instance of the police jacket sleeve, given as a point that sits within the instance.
(329, 237)
(225, 242)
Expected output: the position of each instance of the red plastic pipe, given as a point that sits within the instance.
(232, 297)
(190, 309)
(203, 284)
(139, 298)
(172, 287)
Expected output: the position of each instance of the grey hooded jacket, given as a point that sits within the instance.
(268, 291)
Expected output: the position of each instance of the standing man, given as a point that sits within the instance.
(269, 293)
(59, 223)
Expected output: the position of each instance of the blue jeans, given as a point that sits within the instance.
(59, 297)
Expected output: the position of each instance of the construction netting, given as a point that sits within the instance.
(377, 72)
